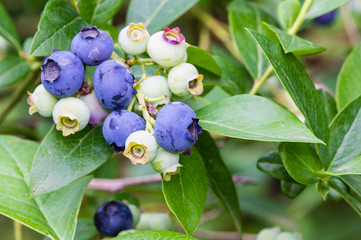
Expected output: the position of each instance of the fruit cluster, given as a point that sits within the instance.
(157, 130)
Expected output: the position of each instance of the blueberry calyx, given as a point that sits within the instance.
(89, 32)
(194, 129)
(173, 36)
(51, 70)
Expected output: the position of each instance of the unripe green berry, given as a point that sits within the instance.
(133, 39)
(41, 101)
(167, 163)
(140, 147)
(184, 80)
(268, 234)
(288, 236)
(70, 115)
(156, 87)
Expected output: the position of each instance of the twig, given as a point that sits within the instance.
(17, 230)
(116, 185)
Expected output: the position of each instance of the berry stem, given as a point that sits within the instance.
(148, 99)
(131, 104)
(17, 230)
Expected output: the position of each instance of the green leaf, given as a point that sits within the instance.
(186, 192)
(330, 105)
(61, 160)
(201, 58)
(59, 23)
(345, 134)
(272, 164)
(156, 14)
(12, 69)
(287, 12)
(350, 198)
(350, 167)
(219, 178)
(292, 189)
(154, 235)
(7, 29)
(299, 85)
(320, 7)
(53, 214)
(231, 75)
(197, 102)
(85, 229)
(291, 43)
(241, 15)
(98, 12)
(255, 118)
(348, 82)
(354, 183)
(301, 161)
(323, 187)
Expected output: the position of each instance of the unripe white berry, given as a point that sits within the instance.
(140, 147)
(156, 87)
(133, 39)
(184, 80)
(41, 101)
(167, 48)
(70, 115)
(268, 234)
(167, 163)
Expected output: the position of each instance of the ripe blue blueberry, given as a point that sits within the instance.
(119, 125)
(176, 127)
(326, 19)
(113, 85)
(62, 74)
(92, 46)
(113, 217)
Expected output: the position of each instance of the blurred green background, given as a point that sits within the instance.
(263, 204)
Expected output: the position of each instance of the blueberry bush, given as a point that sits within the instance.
(193, 119)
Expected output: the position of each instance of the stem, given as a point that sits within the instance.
(257, 84)
(293, 30)
(300, 18)
(131, 104)
(116, 185)
(19, 93)
(148, 99)
(17, 230)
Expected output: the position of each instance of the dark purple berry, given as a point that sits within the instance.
(62, 74)
(176, 127)
(119, 125)
(92, 46)
(326, 19)
(113, 85)
(113, 217)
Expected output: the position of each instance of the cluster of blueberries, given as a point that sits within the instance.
(156, 131)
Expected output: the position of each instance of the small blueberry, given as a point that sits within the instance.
(176, 127)
(166, 163)
(156, 87)
(140, 147)
(62, 74)
(119, 125)
(113, 217)
(97, 112)
(133, 39)
(92, 46)
(113, 85)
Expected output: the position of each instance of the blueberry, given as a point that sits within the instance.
(119, 125)
(97, 112)
(133, 38)
(113, 217)
(41, 101)
(155, 87)
(176, 127)
(140, 147)
(62, 73)
(113, 85)
(166, 163)
(326, 19)
(92, 46)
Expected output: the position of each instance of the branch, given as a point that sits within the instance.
(116, 185)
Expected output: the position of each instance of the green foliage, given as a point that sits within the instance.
(272, 164)
(219, 178)
(85, 229)
(201, 58)
(156, 14)
(98, 12)
(12, 69)
(7, 29)
(254, 118)
(52, 214)
(154, 235)
(292, 44)
(292, 189)
(186, 192)
(59, 23)
(348, 83)
(320, 7)
(60, 161)
(241, 15)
